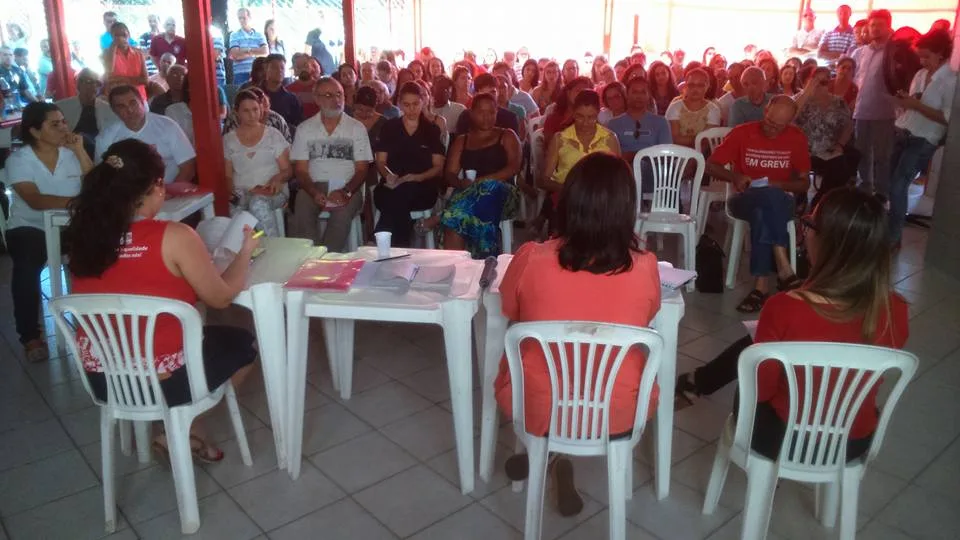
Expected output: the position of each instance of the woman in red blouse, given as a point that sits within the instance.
(117, 247)
(593, 270)
(847, 298)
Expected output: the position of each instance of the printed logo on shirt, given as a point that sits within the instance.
(767, 159)
(332, 149)
(128, 250)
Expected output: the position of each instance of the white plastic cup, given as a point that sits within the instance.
(383, 244)
(471, 174)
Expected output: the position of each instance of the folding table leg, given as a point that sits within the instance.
(667, 324)
(456, 338)
(268, 320)
(298, 325)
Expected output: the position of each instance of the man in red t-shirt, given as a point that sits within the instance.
(776, 151)
(168, 42)
(307, 77)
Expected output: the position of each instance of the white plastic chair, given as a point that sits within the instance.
(668, 163)
(579, 418)
(714, 192)
(133, 387)
(736, 230)
(819, 426)
(536, 123)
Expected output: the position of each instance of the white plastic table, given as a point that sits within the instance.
(667, 323)
(263, 296)
(454, 312)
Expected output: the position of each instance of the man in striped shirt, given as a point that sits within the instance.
(245, 45)
(836, 42)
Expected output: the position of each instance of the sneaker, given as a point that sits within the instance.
(36, 350)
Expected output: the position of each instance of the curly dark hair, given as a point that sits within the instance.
(101, 214)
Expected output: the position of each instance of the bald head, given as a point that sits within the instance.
(754, 83)
(778, 115)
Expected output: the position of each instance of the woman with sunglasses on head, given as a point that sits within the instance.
(848, 298)
(828, 125)
(117, 246)
(596, 254)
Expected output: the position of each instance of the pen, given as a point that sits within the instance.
(392, 258)
(257, 234)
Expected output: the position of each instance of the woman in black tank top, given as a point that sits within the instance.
(473, 214)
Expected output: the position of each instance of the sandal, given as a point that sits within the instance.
(203, 452)
(685, 392)
(789, 284)
(753, 302)
(36, 350)
(569, 502)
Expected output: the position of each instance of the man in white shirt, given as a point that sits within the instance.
(921, 127)
(331, 153)
(162, 133)
(806, 42)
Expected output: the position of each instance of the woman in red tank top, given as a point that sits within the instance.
(117, 247)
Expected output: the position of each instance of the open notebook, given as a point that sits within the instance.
(402, 275)
(673, 278)
(224, 236)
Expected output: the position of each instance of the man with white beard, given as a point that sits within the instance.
(331, 153)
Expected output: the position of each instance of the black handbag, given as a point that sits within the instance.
(709, 265)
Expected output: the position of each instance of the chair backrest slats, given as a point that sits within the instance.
(829, 384)
(668, 163)
(589, 386)
(712, 136)
(119, 331)
(583, 360)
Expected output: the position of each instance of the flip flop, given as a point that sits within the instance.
(201, 451)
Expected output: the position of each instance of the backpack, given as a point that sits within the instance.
(709, 265)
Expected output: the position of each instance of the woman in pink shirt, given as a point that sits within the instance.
(593, 270)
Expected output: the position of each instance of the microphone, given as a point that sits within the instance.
(489, 272)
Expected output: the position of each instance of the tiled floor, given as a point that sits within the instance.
(382, 465)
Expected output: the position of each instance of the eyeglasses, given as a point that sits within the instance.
(331, 95)
(809, 223)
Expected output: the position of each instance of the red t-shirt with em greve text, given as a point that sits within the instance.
(786, 318)
(754, 154)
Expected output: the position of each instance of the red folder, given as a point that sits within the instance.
(325, 275)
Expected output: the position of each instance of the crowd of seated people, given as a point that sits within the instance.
(381, 141)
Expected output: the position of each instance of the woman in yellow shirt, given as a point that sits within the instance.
(583, 137)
